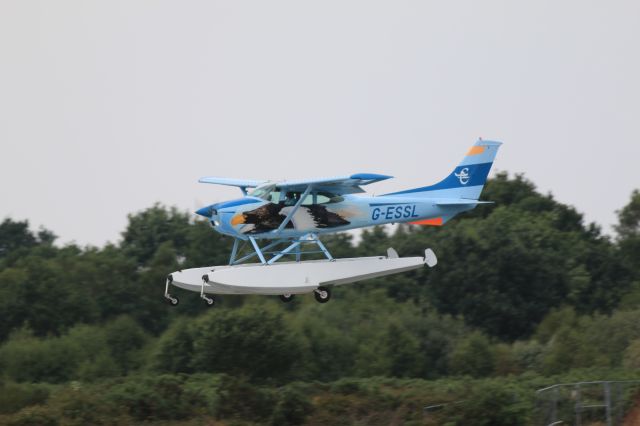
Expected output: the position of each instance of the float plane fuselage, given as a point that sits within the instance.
(289, 210)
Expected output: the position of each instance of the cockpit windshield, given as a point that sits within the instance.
(264, 191)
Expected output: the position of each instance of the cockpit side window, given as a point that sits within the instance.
(292, 197)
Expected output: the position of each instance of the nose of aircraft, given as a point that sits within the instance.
(205, 211)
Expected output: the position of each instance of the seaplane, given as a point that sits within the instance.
(275, 224)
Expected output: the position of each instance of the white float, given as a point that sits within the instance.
(289, 278)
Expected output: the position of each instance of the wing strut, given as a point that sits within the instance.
(269, 257)
(293, 211)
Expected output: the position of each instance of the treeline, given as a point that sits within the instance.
(265, 345)
(222, 399)
(524, 289)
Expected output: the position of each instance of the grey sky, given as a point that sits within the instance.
(107, 107)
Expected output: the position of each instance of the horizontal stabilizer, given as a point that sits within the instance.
(460, 202)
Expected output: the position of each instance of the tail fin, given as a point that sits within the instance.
(466, 180)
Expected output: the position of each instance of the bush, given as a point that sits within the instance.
(153, 397)
(473, 356)
(489, 404)
(125, 339)
(14, 397)
(292, 406)
(251, 342)
(28, 359)
(239, 399)
(173, 351)
(77, 406)
(33, 416)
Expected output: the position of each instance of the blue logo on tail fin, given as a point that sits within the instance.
(463, 176)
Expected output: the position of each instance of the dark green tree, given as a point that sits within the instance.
(502, 273)
(174, 348)
(250, 342)
(148, 229)
(628, 233)
(15, 235)
(473, 356)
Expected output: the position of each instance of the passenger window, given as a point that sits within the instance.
(328, 198)
(308, 200)
(291, 198)
(274, 197)
(323, 199)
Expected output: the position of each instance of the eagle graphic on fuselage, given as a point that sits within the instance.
(270, 216)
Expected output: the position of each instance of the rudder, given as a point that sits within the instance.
(467, 179)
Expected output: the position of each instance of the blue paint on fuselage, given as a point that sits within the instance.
(210, 210)
(237, 202)
(457, 192)
(360, 211)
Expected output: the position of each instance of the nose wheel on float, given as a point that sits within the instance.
(173, 301)
(208, 301)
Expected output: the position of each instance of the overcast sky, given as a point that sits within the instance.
(109, 106)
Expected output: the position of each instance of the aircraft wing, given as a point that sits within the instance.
(336, 185)
(241, 183)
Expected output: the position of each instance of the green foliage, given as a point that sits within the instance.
(330, 348)
(490, 404)
(629, 217)
(401, 347)
(240, 400)
(292, 406)
(34, 416)
(628, 230)
(150, 228)
(44, 292)
(15, 396)
(504, 267)
(252, 342)
(473, 356)
(76, 405)
(16, 239)
(632, 355)
(29, 359)
(15, 235)
(153, 397)
(84, 352)
(174, 348)
(501, 273)
(587, 341)
(125, 339)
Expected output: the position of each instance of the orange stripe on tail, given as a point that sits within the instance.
(436, 221)
(475, 150)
